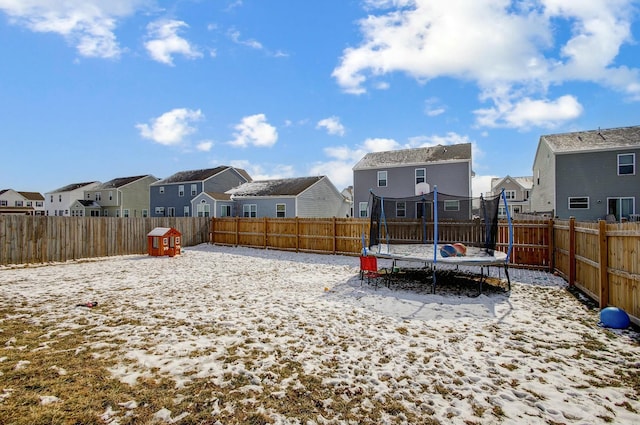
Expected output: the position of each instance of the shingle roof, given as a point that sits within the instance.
(88, 203)
(219, 196)
(32, 196)
(119, 182)
(415, 156)
(278, 187)
(72, 186)
(199, 175)
(594, 140)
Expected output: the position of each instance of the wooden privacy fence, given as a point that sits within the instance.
(532, 241)
(602, 259)
(38, 239)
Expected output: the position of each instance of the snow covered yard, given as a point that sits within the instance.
(224, 335)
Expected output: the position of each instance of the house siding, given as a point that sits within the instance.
(321, 200)
(267, 207)
(544, 178)
(593, 175)
(453, 178)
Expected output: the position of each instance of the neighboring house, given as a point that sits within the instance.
(119, 197)
(398, 173)
(517, 190)
(212, 204)
(58, 202)
(23, 203)
(588, 175)
(171, 197)
(303, 197)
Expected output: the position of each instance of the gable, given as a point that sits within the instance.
(594, 140)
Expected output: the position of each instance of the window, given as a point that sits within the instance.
(161, 190)
(171, 212)
(51, 199)
(125, 213)
(382, 179)
(110, 195)
(98, 196)
(59, 198)
(401, 209)
(194, 189)
(185, 211)
(579, 203)
(19, 203)
(626, 164)
(203, 209)
(145, 213)
(39, 204)
(88, 195)
(105, 213)
(225, 210)
(159, 211)
(3, 203)
(117, 213)
(181, 190)
(452, 205)
(281, 210)
(421, 175)
(510, 194)
(621, 207)
(250, 210)
(362, 209)
(29, 203)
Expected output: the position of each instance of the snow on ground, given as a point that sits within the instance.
(535, 354)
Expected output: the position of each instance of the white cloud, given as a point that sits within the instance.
(204, 146)
(256, 131)
(527, 113)
(332, 125)
(258, 172)
(87, 24)
(171, 127)
(235, 36)
(517, 48)
(480, 185)
(164, 42)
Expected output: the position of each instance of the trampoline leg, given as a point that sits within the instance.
(506, 272)
(433, 287)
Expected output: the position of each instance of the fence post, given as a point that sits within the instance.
(237, 230)
(572, 251)
(212, 229)
(603, 263)
(265, 232)
(297, 234)
(335, 236)
(550, 236)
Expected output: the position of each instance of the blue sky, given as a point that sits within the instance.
(99, 89)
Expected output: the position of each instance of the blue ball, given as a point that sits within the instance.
(448, 250)
(614, 317)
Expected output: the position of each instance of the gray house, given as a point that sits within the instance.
(589, 175)
(119, 197)
(400, 173)
(171, 197)
(294, 197)
(212, 204)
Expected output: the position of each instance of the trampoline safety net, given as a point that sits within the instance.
(435, 217)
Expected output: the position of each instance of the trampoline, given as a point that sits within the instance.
(417, 228)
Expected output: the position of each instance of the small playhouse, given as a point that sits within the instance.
(163, 241)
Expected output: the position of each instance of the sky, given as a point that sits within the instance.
(92, 90)
(268, 327)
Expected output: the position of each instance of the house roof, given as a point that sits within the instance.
(404, 157)
(594, 140)
(32, 196)
(278, 187)
(526, 182)
(199, 175)
(119, 182)
(88, 203)
(72, 187)
(218, 196)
